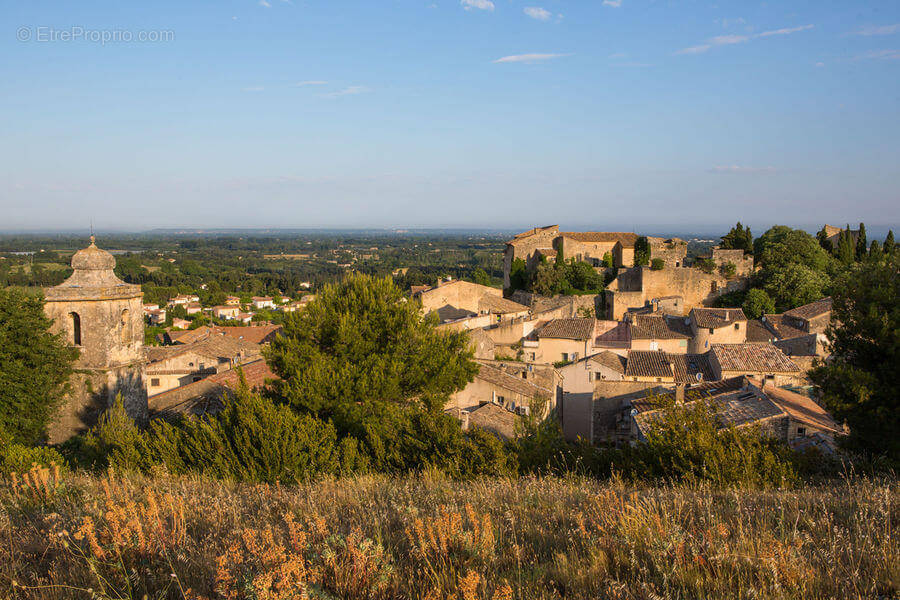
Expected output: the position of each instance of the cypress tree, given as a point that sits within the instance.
(875, 249)
(862, 244)
(889, 242)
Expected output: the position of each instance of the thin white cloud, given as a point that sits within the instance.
(739, 169)
(311, 82)
(265, 4)
(785, 31)
(477, 4)
(618, 55)
(726, 40)
(820, 64)
(613, 3)
(881, 55)
(870, 30)
(254, 88)
(536, 12)
(528, 58)
(352, 90)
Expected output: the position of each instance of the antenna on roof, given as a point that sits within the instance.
(92, 231)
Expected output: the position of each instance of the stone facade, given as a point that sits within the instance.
(102, 316)
(639, 286)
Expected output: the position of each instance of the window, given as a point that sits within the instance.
(801, 431)
(154, 382)
(75, 340)
(524, 374)
(500, 399)
(565, 356)
(195, 379)
(711, 330)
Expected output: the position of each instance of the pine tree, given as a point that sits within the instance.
(875, 250)
(862, 245)
(889, 242)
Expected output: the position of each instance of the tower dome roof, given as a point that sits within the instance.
(93, 258)
(93, 278)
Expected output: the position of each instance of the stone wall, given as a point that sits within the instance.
(636, 287)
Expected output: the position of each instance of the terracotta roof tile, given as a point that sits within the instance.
(571, 329)
(510, 382)
(753, 358)
(811, 310)
(658, 327)
(649, 363)
(714, 318)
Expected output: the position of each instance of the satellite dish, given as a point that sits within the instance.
(699, 376)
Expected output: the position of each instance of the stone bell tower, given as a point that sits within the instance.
(102, 316)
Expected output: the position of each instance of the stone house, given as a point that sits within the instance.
(658, 332)
(638, 287)
(710, 326)
(494, 386)
(588, 246)
(654, 366)
(102, 316)
(226, 311)
(174, 366)
(206, 395)
(560, 340)
(578, 382)
(764, 361)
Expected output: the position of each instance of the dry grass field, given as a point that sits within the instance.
(428, 537)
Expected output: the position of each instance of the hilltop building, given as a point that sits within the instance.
(102, 316)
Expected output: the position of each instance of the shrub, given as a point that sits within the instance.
(686, 442)
(251, 439)
(18, 458)
(657, 264)
(757, 303)
(707, 265)
(728, 269)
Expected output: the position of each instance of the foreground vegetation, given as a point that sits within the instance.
(432, 537)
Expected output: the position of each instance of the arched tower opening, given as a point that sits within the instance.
(75, 329)
(125, 327)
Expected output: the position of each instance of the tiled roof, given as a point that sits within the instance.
(801, 408)
(205, 395)
(648, 363)
(753, 358)
(496, 419)
(757, 332)
(510, 382)
(688, 366)
(571, 329)
(733, 409)
(529, 233)
(215, 346)
(610, 360)
(628, 239)
(811, 310)
(658, 327)
(713, 318)
(497, 304)
(781, 330)
(651, 399)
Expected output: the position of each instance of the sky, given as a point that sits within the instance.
(594, 114)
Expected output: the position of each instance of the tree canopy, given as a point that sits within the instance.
(859, 382)
(738, 238)
(794, 268)
(35, 366)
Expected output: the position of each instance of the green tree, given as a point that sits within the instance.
(641, 252)
(758, 303)
(581, 276)
(824, 242)
(35, 366)
(862, 244)
(859, 382)
(363, 357)
(657, 264)
(889, 242)
(738, 238)
(793, 266)
(846, 251)
(608, 260)
(518, 275)
(548, 280)
(481, 277)
(795, 285)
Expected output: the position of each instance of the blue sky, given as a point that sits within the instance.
(631, 114)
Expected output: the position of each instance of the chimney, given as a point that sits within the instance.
(679, 393)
